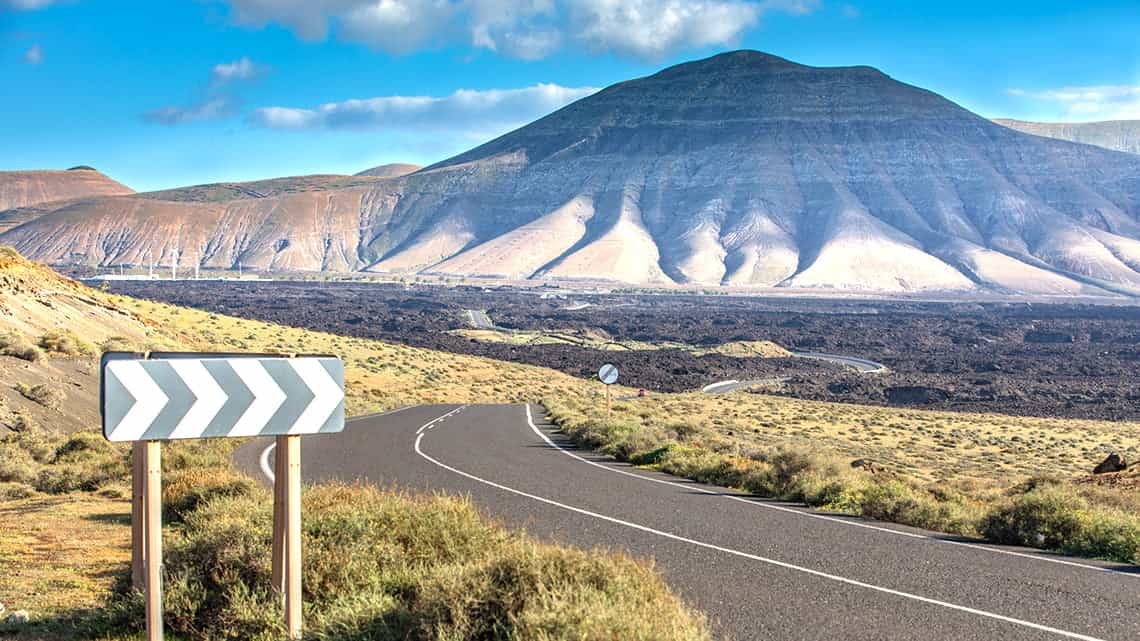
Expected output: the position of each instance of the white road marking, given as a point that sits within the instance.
(530, 421)
(753, 557)
(430, 424)
(267, 470)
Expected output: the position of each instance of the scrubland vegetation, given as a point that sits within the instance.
(933, 470)
(379, 564)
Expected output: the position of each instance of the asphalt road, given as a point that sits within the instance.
(480, 320)
(760, 569)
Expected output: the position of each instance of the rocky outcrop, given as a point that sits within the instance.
(743, 169)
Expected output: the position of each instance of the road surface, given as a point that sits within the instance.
(760, 569)
(863, 365)
(480, 320)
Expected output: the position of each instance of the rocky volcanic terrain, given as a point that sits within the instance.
(1076, 361)
(743, 169)
(1119, 135)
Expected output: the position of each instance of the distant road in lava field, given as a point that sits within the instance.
(760, 569)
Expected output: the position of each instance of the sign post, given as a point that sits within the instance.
(147, 399)
(608, 375)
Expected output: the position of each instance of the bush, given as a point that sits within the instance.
(1058, 518)
(13, 344)
(117, 344)
(65, 341)
(184, 491)
(16, 464)
(44, 394)
(381, 565)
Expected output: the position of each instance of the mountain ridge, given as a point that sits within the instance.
(743, 169)
(1117, 135)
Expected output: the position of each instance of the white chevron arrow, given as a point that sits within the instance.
(267, 397)
(327, 395)
(210, 398)
(149, 400)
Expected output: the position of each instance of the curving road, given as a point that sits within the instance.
(761, 569)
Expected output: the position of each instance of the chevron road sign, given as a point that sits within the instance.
(179, 396)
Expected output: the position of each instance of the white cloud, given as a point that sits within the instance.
(217, 99)
(211, 109)
(34, 55)
(528, 29)
(1103, 102)
(467, 111)
(241, 69)
(653, 28)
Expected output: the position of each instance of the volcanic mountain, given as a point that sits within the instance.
(1120, 135)
(29, 192)
(743, 169)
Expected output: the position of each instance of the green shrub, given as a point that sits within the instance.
(16, 464)
(117, 344)
(184, 491)
(65, 341)
(1059, 518)
(13, 344)
(44, 394)
(381, 565)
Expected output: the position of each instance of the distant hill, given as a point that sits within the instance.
(223, 192)
(391, 170)
(22, 189)
(1118, 135)
(743, 169)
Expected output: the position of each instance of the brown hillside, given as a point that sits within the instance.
(27, 188)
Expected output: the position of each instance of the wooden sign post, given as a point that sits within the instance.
(147, 399)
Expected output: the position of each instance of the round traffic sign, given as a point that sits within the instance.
(608, 374)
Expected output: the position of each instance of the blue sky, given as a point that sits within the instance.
(168, 93)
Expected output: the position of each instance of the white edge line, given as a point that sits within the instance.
(824, 517)
(755, 557)
(267, 470)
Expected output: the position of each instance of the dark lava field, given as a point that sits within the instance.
(1062, 360)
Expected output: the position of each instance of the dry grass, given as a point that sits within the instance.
(1012, 480)
(61, 553)
(926, 445)
(378, 375)
(600, 341)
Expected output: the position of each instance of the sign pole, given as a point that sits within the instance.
(138, 512)
(607, 402)
(292, 483)
(153, 507)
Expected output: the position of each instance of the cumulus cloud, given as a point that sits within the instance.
(218, 99)
(484, 112)
(34, 55)
(1103, 102)
(529, 29)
